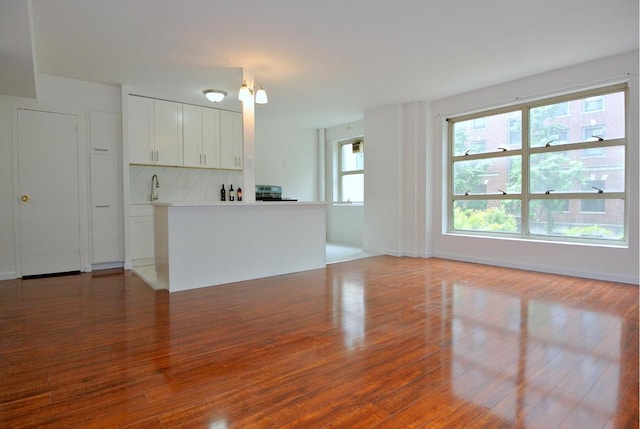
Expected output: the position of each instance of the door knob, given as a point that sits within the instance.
(25, 198)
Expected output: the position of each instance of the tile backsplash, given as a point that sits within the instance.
(180, 184)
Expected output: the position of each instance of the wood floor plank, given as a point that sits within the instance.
(379, 342)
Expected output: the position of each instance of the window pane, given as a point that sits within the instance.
(578, 120)
(487, 176)
(578, 170)
(352, 188)
(547, 218)
(487, 215)
(488, 134)
(351, 161)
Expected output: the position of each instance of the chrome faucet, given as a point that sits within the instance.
(155, 183)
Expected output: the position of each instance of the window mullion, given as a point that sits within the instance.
(524, 162)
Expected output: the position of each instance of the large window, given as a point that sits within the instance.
(542, 170)
(351, 171)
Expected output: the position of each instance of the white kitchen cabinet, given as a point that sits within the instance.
(201, 133)
(104, 132)
(155, 132)
(211, 137)
(230, 140)
(141, 130)
(107, 241)
(141, 234)
(167, 120)
(106, 215)
(192, 135)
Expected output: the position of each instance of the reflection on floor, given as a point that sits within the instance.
(341, 253)
(146, 273)
(334, 253)
(381, 342)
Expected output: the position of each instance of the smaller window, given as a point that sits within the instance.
(479, 146)
(351, 173)
(561, 109)
(593, 104)
(561, 137)
(593, 206)
(515, 132)
(593, 132)
(590, 134)
(480, 123)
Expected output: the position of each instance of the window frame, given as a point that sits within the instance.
(526, 196)
(342, 173)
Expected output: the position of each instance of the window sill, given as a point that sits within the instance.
(337, 203)
(575, 241)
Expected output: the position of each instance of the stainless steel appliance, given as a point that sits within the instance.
(270, 193)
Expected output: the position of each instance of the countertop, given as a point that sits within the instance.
(235, 203)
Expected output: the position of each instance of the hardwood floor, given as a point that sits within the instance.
(380, 342)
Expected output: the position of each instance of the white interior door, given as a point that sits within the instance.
(48, 192)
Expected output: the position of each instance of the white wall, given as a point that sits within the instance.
(55, 94)
(288, 157)
(395, 214)
(601, 262)
(382, 183)
(345, 222)
(7, 194)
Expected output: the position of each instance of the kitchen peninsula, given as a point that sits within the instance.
(199, 244)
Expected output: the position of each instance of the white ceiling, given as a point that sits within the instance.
(324, 62)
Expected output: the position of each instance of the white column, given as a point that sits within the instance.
(249, 140)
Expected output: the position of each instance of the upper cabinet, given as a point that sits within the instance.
(155, 131)
(201, 131)
(230, 140)
(174, 134)
(141, 135)
(104, 132)
(211, 137)
(168, 132)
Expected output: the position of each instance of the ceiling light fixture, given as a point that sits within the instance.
(247, 92)
(214, 95)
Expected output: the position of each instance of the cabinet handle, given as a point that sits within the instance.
(205, 159)
(100, 149)
(103, 206)
(157, 156)
(152, 156)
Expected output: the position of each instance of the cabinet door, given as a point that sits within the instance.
(141, 234)
(211, 137)
(192, 135)
(230, 140)
(104, 132)
(141, 150)
(142, 243)
(237, 140)
(168, 132)
(106, 216)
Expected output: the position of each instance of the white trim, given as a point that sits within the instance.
(9, 276)
(106, 266)
(541, 268)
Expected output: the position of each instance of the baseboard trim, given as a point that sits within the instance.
(542, 268)
(9, 276)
